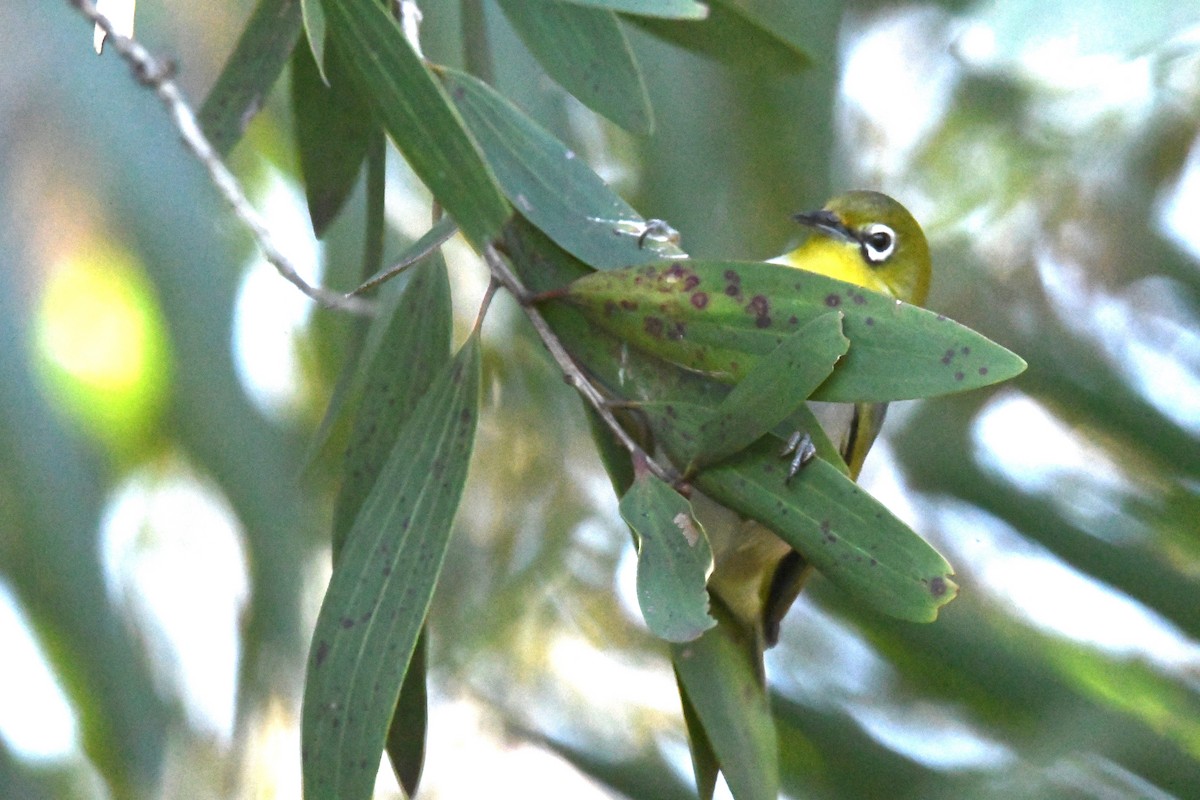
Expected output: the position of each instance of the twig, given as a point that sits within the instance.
(157, 74)
(573, 375)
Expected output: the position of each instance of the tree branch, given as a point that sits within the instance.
(573, 374)
(156, 74)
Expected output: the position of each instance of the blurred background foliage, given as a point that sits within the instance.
(163, 544)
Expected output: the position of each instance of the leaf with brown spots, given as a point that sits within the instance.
(774, 387)
(382, 585)
(849, 536)
(720, 318)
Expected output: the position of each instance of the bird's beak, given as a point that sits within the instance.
(827, 222)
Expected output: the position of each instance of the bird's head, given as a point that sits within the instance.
(869, 239)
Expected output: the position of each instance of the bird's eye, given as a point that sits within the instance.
(878, 242)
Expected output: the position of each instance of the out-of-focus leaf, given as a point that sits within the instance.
(52, 496)
(378, 596)
(261, 53)
(403, 352)
(733, 35)
(314, 31)
(406, 733)
(721, 672)
(549, 184)
(333, 128)
(667, 9)
(719, 317)
(772, 389)
(705, 766)
(845, 533)
(418, 116)
(641, 774)
(585, 50)
(674, 560)
(351, 373)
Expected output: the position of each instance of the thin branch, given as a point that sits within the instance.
(572, 373)
(156, 74)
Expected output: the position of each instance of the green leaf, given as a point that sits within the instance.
(314, 31)
(333, 128)
(734, 36)
(666, 9)
(431, 240)
(418, 116)
(674, 560)
(354, 357)
(549, 184)
(772, 389)
(380, 590)
(248, 75)
(705, 766)
(721, 673)
(849, 536)
(406, 346)
(585, 51)
(406, 733)
(720, 317)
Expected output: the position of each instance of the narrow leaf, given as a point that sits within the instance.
(674, 560)
(550, 185)
(585, 51)
(721, 672)
(380, 590)
(333, 128)
(314, 31)
(704, 761)
(418, 116)
(405, 348)
(849, 536)
(666, 9)
(721, 317)
(734, 36)
(246, 80)
(430, 241)
(772, 389)
(406, 733)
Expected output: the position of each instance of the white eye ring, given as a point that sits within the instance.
(878, 242)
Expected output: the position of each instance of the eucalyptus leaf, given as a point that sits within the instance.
(406, 733)
(849, 536)
(379, 594)
(549, 183)
(585, 51)
(246, 79)
(720, 317)
(406, 346)
(772, 389)
(666, 9)
(734, 36)
(705, 766)
(417, 115)
(431, 240)
(721, 673)
(674, 560)
(333, 127)
(314, 31)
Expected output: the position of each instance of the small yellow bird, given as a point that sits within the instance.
(868, 239)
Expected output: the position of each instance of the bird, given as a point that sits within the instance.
(869, 239)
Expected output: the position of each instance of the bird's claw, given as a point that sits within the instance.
(802, 450)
